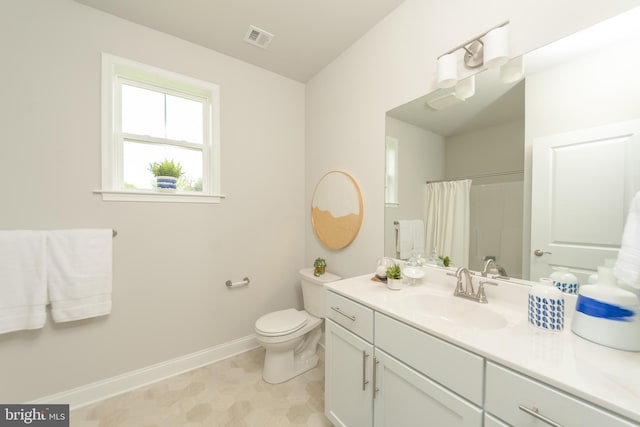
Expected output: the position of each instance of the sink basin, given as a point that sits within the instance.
(457, 311)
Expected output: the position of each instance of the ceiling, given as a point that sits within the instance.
(308, 34)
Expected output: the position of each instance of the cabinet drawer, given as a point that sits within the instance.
(508, 391)
(458, 369)
(354, 316)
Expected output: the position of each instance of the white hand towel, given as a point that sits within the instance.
(79, 264)
(627, 268)
(418, 236)
(23, 289)
(404, 242)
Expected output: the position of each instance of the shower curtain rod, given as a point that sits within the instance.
(486, 175)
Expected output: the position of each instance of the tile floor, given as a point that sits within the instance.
(227, 393)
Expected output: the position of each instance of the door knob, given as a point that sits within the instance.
(540, 252)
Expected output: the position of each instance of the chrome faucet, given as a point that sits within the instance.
(465, 290)
(502, 273)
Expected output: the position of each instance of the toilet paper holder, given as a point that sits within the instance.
(244, 282)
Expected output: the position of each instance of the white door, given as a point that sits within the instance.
(348, 382)
(406, 398)
(582, 186)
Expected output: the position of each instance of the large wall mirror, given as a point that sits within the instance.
(554, 157)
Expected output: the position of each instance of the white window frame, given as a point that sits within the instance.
(391, 156)
(115, 71)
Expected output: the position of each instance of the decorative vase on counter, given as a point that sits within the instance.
(546, 306)
(608, 315)
(565, 280)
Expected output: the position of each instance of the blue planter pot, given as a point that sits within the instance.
(167, 184)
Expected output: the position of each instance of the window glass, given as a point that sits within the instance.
(139, 155)
(391, 184)
(184, 119)
(142, 111)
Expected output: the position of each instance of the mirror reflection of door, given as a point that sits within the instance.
(583, 184)
(336, 210)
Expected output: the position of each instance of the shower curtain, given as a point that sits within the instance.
(447, 219)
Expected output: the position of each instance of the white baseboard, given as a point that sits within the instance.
(90, 393)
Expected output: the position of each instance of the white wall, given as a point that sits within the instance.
(420, 158)
(494, 149)
(394, 63)
(50, 147)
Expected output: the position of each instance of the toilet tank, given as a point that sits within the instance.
(313, 290)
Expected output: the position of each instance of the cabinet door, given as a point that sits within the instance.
(490, 421)
(348, 371)
(406, 398)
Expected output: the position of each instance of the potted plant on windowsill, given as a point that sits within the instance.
(394, 277)
(167, 173)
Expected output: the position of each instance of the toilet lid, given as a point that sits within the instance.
(280, 322)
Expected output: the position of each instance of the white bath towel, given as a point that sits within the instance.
(627, 268)
(410, 238)
(79, 264)
(23, 290)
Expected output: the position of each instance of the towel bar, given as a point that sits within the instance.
(231, 284)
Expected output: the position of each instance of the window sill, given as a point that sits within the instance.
(154, 196)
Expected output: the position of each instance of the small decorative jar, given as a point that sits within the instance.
(565, 281)
(546, 306)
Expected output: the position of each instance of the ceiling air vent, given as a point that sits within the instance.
(258, 37)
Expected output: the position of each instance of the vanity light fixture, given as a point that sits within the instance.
(489, 49)
(442, 99)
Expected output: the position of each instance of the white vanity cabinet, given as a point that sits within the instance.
(522, 401)
(348, 363)
(371, 386)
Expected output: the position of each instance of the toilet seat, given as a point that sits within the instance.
(281, 322)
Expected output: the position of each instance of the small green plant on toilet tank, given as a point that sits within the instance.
(167, 173)
(319, 267)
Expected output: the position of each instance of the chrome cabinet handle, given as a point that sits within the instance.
(375, 370)
(540, 252)
(364, 369)
(337, 310)
(536, 414)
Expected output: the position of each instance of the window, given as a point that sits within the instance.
(149, 115)
(391, 183)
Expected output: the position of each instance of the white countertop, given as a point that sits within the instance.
(603, 376)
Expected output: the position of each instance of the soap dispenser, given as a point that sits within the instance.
(607, 314)
(546, 306)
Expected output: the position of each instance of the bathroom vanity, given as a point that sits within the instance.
(420, 356)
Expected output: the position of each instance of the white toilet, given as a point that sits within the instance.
(291, 337)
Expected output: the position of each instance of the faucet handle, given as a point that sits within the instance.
(481, 295)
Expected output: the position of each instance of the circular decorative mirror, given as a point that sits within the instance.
(336, 209)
